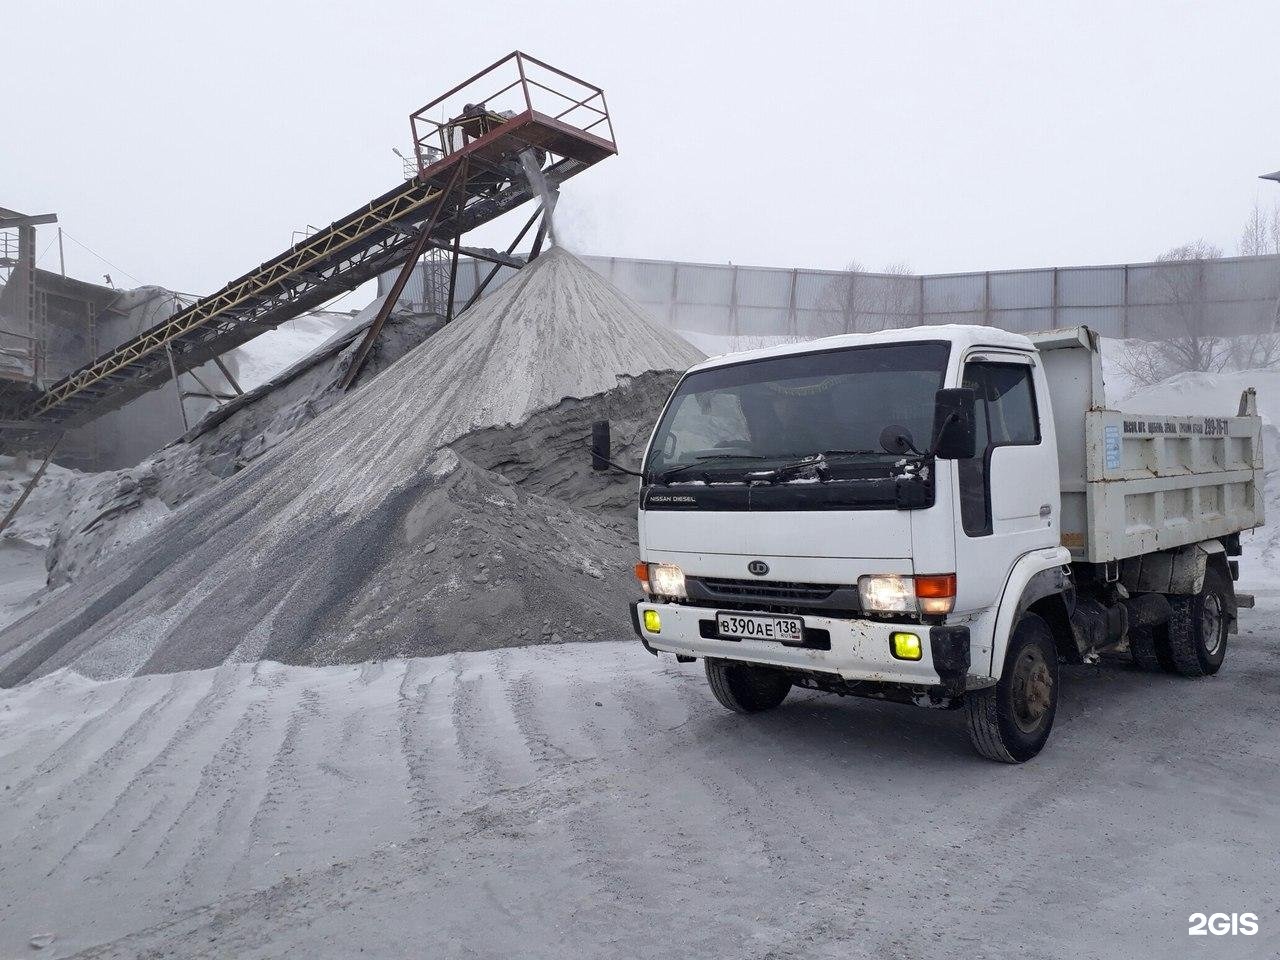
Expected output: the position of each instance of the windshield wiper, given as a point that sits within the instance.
(668, 475)
(815, 461)
(849, 453)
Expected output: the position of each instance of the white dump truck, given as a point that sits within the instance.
(936, 516)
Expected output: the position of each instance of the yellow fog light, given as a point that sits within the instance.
(653, 623)
(905, 646)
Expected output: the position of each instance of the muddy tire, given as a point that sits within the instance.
(1011, 721)
(1149, 648)
(745, 687)
(1198, 627)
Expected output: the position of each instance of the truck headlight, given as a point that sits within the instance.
(666, 580)
(933, 594)
(887, 593)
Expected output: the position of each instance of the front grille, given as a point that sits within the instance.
(776, 591)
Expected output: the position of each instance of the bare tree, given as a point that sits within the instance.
(1191, 342)
(863, 302)
(1261, 234)
(748, 341)
(1260, 237)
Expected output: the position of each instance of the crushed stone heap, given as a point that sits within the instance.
(361, 537)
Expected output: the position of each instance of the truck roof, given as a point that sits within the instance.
(961, 334)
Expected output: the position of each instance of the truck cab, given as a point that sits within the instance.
(882, 515)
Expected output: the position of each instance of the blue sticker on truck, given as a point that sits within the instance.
(1111, 444)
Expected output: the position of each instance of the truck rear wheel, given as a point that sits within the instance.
(1010, 722)
(1198, 627)
(1149, 647)
(745, 687)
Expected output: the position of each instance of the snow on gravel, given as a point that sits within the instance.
(589, 800)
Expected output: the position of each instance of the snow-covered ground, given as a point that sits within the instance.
(588, 800)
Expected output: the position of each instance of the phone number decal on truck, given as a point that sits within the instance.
(1202, 427)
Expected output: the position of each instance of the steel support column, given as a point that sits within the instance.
(480, 287)
(402, 278)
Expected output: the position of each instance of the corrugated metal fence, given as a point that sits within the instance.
(1145, 300)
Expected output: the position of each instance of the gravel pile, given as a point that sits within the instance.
(360, 536)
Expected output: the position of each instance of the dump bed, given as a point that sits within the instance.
(1137, 482)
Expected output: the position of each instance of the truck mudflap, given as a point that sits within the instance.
(950, 649)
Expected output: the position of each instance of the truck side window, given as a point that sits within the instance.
(1005, 416)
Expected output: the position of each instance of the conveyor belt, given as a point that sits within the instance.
(340, 257)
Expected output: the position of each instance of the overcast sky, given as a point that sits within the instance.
(185, 141)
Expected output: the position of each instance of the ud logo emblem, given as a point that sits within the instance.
(758, 567)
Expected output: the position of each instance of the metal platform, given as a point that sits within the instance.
(469, 173)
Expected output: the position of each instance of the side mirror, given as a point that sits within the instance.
(600, 446)
(896, 438)
(955, 435)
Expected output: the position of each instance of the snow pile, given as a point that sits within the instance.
(358, 537)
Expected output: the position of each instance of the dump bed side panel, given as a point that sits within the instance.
(1074, 373)
(1156, 482)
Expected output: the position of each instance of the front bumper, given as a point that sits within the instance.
(859, 649)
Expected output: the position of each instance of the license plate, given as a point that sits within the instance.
(750, 626)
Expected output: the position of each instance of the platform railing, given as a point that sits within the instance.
(517, 84)
(8, 253)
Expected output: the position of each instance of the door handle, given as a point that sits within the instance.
(1045, 509)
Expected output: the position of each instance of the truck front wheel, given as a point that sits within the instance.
(1198, 627)
(745, 687)
(1010, 722)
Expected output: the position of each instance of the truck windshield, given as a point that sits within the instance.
(760, 413)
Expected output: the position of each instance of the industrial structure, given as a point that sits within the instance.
(512, 132)
(20, 353)
(52, 324)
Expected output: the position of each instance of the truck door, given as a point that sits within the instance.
(1009, 495)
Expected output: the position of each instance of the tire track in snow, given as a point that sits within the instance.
(115, 770)
(30, 734)
(239, 781)
(186, 832)
(509, 722)
(281, 799)
(72, 759)
(467, 714)
(152, 790)
(417, 740)
(598, 722)
(67, 749)
(548, 722)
